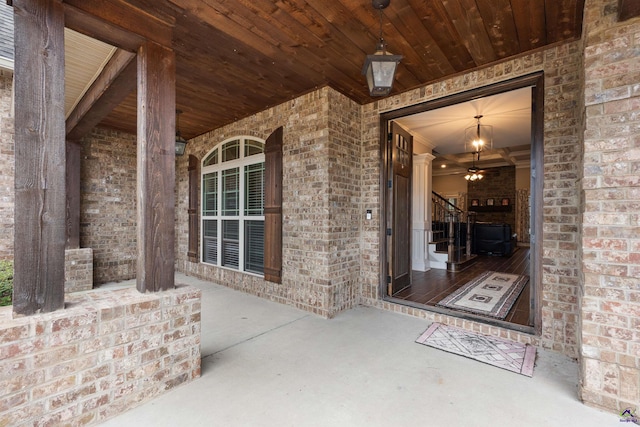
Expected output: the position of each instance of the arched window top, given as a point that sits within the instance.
(235, 148)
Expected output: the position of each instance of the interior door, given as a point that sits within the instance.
(400, 149)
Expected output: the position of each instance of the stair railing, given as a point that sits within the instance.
(451, 225)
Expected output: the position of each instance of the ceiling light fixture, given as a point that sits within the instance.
(478, 137)
(473, 172)
(380, 68)
(181, 143)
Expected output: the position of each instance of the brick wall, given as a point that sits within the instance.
(497, 184)
(6, 167)
(107, 352)
(562, 66)
(610, 303)
(346, 212)
(78, 270)
(321, 206)
(108, 204)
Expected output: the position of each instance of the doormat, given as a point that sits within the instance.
(490, 294)
(509, 355)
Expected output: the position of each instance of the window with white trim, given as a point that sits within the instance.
(233, 205)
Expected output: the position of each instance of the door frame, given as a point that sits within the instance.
(534, 80)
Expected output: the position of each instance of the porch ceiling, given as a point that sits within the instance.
(236, 58)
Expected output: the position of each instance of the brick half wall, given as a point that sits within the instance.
(106, 352)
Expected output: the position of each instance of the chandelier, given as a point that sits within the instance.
(477, 138)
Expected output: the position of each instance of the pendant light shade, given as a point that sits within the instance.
(380, 68)
(478, 137)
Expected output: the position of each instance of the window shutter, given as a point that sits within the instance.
(273, 207)
(194, 177)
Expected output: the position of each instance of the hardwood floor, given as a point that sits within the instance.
(431, 286)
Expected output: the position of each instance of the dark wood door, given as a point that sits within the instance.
(400, 148)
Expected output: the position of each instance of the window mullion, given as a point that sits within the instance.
(219, 218)
(241, 216)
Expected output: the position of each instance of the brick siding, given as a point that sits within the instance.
(498, 183)
(610, 296)
(108, 204)
(78, 270)
(321, 209)
(107, 352)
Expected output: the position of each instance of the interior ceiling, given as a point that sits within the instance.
(443, 131)
(238, 57)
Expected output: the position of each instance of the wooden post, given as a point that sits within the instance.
(156, 167)
(74, 151)
(40, 232)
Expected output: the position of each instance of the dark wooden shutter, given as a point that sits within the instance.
(194, 179)
(273, 207)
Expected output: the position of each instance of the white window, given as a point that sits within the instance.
(233, 205)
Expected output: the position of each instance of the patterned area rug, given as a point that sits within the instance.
(490, 294)
(509, 355)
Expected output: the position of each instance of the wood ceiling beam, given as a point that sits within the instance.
(94, 27)
(117, 23)
(505, 153)
(456, 159)
(117, 80)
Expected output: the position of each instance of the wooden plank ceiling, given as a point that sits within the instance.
(238, 57)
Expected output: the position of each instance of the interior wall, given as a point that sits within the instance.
(523, 178)
(561, 201)
(449, 184)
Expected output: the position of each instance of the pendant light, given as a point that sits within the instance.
(181, 143)
(380, 68)
(478, 137)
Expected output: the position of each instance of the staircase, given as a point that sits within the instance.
(450, 243)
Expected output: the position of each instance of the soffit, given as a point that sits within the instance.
(236, 58)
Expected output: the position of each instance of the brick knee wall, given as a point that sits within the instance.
(78, 270)
(107, 352)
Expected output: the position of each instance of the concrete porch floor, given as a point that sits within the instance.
(266, 364)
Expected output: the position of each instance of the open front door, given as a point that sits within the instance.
(400, 149)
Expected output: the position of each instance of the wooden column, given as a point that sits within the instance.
(38, 283)
(74, 151)
(156, 167)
